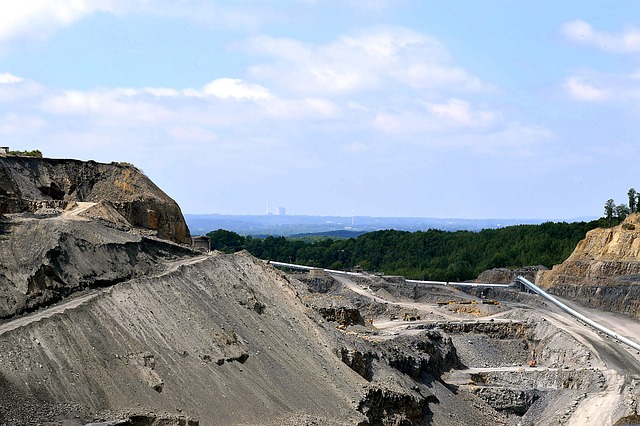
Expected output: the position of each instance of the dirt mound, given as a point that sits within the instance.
(188, 340)
(46, 260)
(158, 332)
(104, 211)
(224, 339)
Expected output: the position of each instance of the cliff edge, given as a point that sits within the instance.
(31, 185)
(603, 271)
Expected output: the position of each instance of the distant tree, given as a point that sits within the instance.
(35, 153)
(609, 210)
(622, 211)
(432, 254)
(226, 241)
(633, 207)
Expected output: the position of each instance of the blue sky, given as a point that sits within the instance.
(491, 109)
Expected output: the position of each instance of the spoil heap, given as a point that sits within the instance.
(102, 321)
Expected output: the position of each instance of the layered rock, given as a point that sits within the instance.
(30, 184)
(43, 261)
(603, 271)
(508, 275)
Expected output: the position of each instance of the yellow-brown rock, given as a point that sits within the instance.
(610, 256)
(603, 271)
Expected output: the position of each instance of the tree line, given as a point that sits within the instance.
(614, 214)
(432, 254)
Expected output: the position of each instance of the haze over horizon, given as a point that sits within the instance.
(373, 108)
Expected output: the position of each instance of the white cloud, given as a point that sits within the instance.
(389, 122)
(458, 112)
(237, 89)
(222, 102)
(462, 128)
(299, 109)
(106, 106)
(579, 31)
(437, 118)
(15, 124)
(14, 89)
(515, 139)
(37, 19)
(581, 90)
(7, 78)
(367, 61)
(591, 86)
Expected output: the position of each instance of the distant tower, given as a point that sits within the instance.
(281, 211)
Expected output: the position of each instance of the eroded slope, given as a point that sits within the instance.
(46, 260)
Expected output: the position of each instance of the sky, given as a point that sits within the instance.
(408, 108)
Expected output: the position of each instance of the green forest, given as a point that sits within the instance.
(432, 254)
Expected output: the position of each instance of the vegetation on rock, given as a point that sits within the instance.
(615, 214)
(34, 153)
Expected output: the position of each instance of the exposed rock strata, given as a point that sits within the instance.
(508, 275)
(397, 408)
(510, 330)
(46, 260)
(509, 400)
(584, 379)
(603, 271)
(31, 184)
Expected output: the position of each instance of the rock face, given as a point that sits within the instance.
(507, 275)
(603, 271)
(30, 184)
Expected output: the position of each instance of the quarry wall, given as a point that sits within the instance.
(28, 184)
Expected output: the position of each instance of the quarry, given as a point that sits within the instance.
(109, 317)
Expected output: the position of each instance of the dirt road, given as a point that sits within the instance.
(74, 302)
(621, 364)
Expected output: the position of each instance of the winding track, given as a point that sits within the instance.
(74, 302)
(577, 314)
(621, 365)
